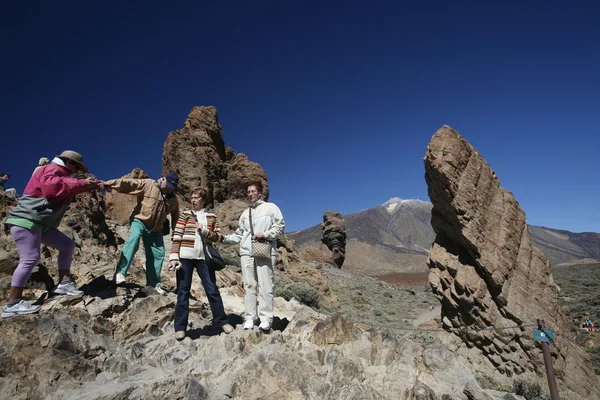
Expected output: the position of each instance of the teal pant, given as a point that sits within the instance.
(155, 252)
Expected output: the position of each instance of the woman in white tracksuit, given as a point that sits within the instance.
(258, 274)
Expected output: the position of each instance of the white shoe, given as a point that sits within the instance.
(160, 291)
(265, 326)
(67, 288)
(249, 324)
(119, 278)
(21, 308)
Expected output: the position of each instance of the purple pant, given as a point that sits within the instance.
(28, 246)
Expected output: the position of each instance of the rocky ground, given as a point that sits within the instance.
(117, 342)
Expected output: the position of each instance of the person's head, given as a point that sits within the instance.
(4, 176)
(254, 191)
(168, 183)
(73, 160)
(199, 198)
(43, 161)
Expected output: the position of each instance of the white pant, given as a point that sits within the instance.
(259, 279)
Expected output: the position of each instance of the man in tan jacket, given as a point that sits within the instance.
(155, 201)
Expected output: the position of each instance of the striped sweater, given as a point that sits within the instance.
(187, 242)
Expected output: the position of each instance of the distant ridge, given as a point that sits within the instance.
(393, 235)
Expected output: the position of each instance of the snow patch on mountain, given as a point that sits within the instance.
(395, 202)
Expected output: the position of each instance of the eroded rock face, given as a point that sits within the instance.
(197, 153)
(333, 235)
(487, 274)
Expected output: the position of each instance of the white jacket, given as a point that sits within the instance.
(266, 219)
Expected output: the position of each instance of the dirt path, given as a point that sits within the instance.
(428, 315)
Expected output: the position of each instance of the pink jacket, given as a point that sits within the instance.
(48, 194)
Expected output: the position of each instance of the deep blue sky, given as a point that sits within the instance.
(336, 102)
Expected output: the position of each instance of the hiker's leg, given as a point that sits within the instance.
(131, 246)
(28, 245)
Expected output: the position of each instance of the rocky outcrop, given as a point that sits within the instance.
(197, 153)
(487, 274)
(64, 353)
(333, 235)
(85, 221)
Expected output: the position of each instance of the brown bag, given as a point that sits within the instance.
(261, 248)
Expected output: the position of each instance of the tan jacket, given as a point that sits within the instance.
(152, 206)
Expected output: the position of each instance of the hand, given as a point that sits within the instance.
(174, 265)
(199, 226)
(93, 183)
(260, 235)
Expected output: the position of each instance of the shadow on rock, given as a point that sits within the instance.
(42, 276)
(280, 324)
(100, 287)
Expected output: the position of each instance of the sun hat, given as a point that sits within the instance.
(76, 158)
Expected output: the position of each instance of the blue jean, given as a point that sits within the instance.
(209, 282)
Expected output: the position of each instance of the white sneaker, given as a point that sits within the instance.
(160, 291)
(67, 288)
(249, 324)
(119, 278)
(265, 326)
(21, 308)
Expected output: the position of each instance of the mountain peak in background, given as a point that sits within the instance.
(396, 237)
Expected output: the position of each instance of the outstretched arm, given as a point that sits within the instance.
(236, 236)
(133, 187)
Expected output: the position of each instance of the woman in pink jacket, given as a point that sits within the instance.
(35, 220)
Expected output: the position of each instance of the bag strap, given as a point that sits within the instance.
(251, 228)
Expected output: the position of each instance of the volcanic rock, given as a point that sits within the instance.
(486, 273)
(333, 230)
(197, 153)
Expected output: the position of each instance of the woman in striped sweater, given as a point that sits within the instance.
(187, 254)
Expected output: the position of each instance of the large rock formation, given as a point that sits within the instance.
(487, 274)
(199, 156)
(333, 235)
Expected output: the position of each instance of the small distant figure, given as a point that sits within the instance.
(3, 178)
(430, 308)
(43, 161)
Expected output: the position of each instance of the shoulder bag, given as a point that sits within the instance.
(212, 256)
(261, 248)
